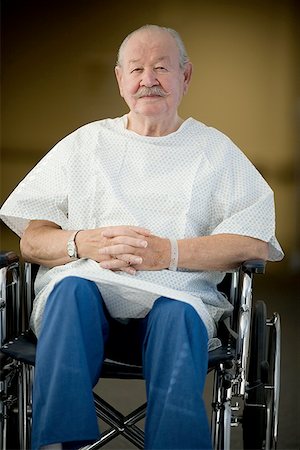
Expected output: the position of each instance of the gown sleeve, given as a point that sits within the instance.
(244, 200)
(42, 194)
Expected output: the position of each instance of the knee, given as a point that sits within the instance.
(173, 308)
(72, 282)
(179, 314)
(75, 299)
(74, 290)
(72, 286)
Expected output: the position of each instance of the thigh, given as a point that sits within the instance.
(174, 330)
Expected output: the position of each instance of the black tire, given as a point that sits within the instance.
(272, 395)
(255, 411)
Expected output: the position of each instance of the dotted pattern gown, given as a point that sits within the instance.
(193, 182)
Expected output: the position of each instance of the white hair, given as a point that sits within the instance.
(183, 57)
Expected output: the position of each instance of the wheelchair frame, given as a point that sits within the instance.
(235, 397)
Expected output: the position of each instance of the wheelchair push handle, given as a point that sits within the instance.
(8, 258)
(257, 266)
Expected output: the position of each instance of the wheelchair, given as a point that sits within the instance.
(246, 368)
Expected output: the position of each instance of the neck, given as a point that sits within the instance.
(150, 126)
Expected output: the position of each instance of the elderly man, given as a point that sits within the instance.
(170, 201)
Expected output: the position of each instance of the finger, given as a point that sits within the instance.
(118, 249)
(130, 270)
(126, 268)
(132, 241)
(113, 264)
(127, 231)
(130, 259)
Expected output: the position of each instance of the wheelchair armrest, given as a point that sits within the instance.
(7, 258)
(254, 266)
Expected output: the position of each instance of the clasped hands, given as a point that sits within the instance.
(124, 248)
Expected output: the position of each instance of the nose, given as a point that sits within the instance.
(149, 78)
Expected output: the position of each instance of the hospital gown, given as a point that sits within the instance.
(192, 182)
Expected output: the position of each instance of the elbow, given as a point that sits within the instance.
(25, 248)
(260, 250)
(265, 251)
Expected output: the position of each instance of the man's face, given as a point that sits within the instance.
(150, 78)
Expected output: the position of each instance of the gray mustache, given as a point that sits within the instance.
(150, 91)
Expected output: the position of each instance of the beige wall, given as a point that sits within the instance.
(57, 73)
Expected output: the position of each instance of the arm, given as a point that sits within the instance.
(116, 248)
(45, 243)
(220, 252)
(216, 252)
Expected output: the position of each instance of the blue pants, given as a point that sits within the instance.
(77, 334)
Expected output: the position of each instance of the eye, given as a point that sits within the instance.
(136, 69)
(160, 69)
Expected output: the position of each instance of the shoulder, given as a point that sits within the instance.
(93, 129)
(212, 137)
(218, 146)
(84, 138)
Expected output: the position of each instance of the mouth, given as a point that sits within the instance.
(151, 96)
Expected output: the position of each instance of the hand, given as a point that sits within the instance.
(154, 256)
(90, 244)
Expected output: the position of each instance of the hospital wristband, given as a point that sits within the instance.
(174, 255)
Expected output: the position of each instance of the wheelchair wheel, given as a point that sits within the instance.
(255, 410)
(272, 393)
(9, 406)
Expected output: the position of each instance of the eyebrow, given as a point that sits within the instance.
(137, 61)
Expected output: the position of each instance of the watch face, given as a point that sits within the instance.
(71, 249)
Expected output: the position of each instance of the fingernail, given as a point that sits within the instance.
(104, 265)
(144, 244)
(132, 271)
(138, 260)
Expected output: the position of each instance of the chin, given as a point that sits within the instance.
(151, 110)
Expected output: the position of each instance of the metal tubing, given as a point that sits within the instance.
(243, 341)
(21, 408)
(3, 414)
(3, 324)
(227, 419)
(216, 416)
(275, 322)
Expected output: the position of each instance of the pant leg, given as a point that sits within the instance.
(175, 368)
(70, 354)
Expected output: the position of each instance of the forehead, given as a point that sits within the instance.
(154, 44)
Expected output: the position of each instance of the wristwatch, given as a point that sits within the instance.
(71, 245)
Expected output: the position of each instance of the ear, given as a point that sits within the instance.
(118, 73)
(187, 76)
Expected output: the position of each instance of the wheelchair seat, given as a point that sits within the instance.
(23, 349)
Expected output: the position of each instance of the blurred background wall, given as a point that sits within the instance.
(57, 74)
(57, 61)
